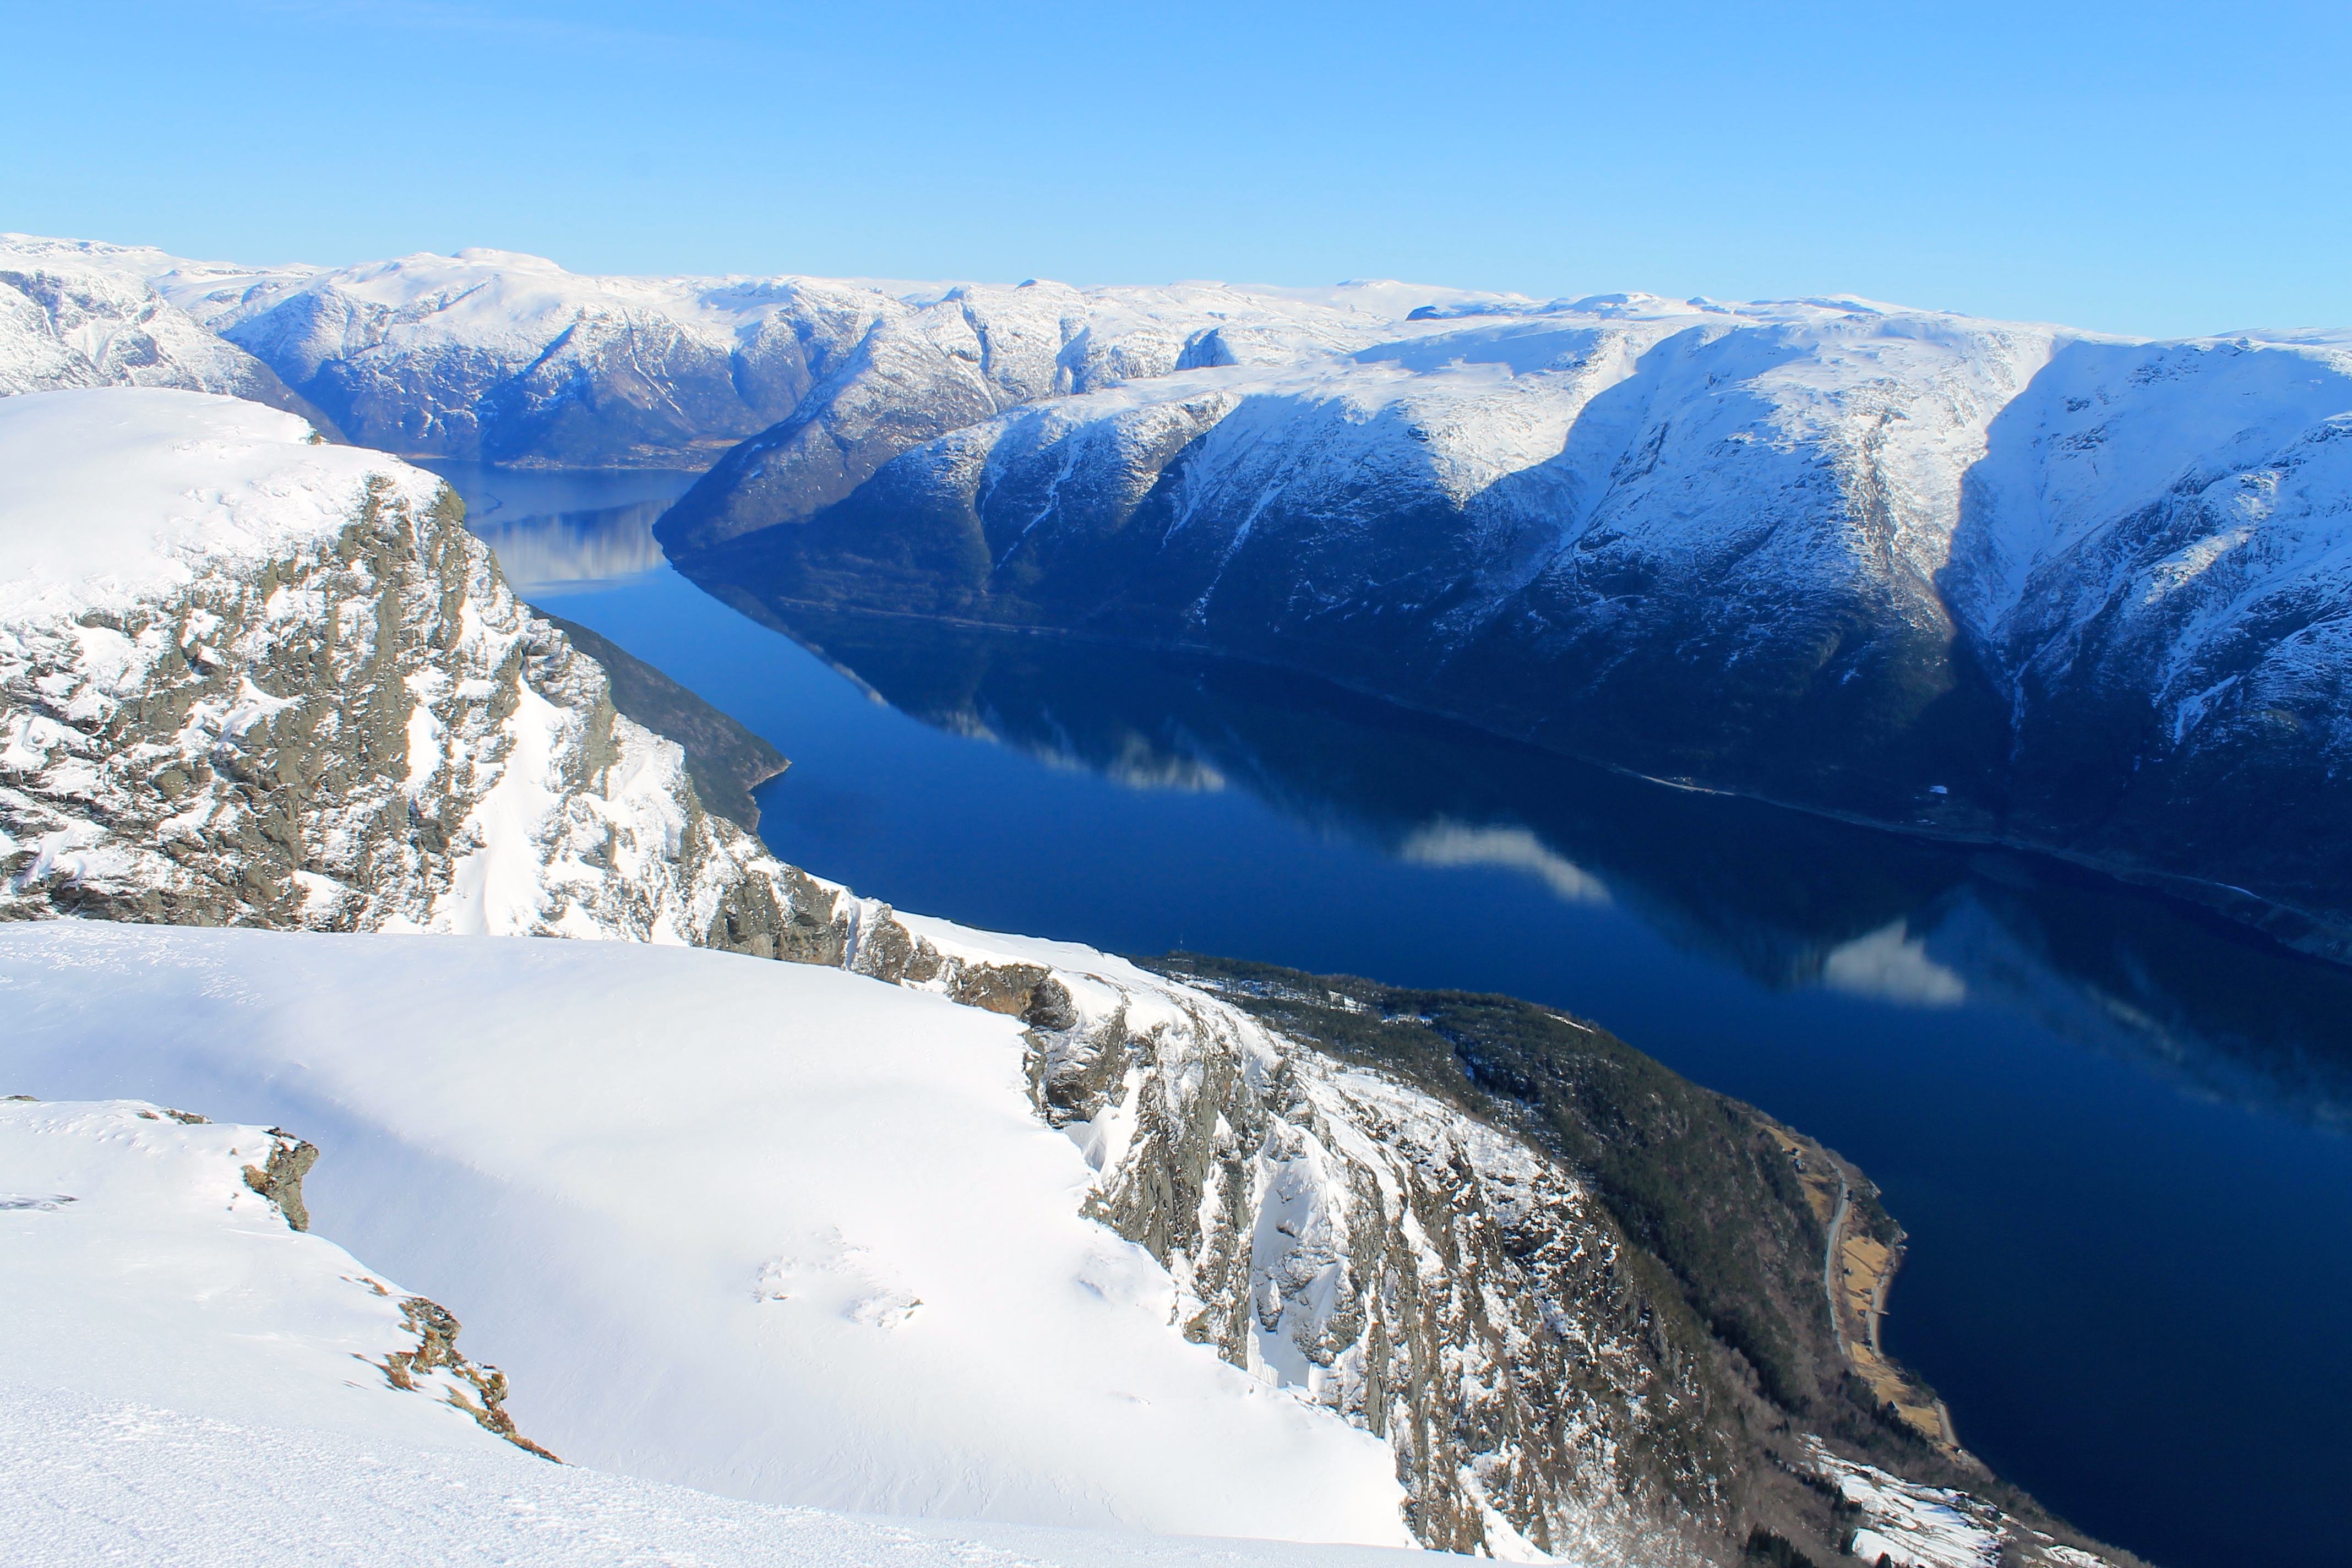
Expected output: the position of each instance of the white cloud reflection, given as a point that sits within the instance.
(1444, 843)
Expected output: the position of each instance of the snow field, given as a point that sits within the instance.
(778, 1232)
(110, 496)
(140, 1266)
(95, 1480)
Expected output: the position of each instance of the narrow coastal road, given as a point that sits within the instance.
(1830, 1262)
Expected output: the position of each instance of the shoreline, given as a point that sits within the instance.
(2315, 937)
(1857, 1271)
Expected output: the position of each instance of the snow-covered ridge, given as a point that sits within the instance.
(73, 313)
(113, 497)
(1901, 564)
(501, 355)
(246, 679)
(322, 708)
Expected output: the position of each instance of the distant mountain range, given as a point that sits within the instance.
(1998, 580)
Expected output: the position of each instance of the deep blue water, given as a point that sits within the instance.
(2113, 1125)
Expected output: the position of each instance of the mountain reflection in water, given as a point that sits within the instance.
(1790, 900)
(562, 529)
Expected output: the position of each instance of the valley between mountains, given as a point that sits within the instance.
(1993, 581)
(927, 1221)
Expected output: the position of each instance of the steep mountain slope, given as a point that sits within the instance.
(976, 351)
(249, 679)
(73, 313)
(508, 358)
(254, 680)
(1987, 578)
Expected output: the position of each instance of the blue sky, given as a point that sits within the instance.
(2148, 168)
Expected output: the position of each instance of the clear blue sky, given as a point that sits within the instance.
(2155, 168)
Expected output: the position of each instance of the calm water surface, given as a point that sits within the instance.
(2115, 1126)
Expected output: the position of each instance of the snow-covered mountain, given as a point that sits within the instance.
(266, 683)
(247, 679)
(507, 357)
(75, 313)
(788, 1233)
(1989, 579)
(1995, 579)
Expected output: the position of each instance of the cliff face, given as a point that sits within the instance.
(332, 715)
(1369, 1248)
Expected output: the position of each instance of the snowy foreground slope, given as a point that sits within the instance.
(105, 1481)
(187, 1379)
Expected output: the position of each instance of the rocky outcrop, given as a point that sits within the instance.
(280, 1178)
(479, 1389)
(360, 729)
(1367, 1246)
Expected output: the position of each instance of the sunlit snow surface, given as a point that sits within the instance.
(113, 495)
(95, 1480)
(778, 1232)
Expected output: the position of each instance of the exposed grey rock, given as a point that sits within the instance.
(370, 733)
(725, 760)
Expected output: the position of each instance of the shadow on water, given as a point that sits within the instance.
(1790, 901)
(2111, 1123)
